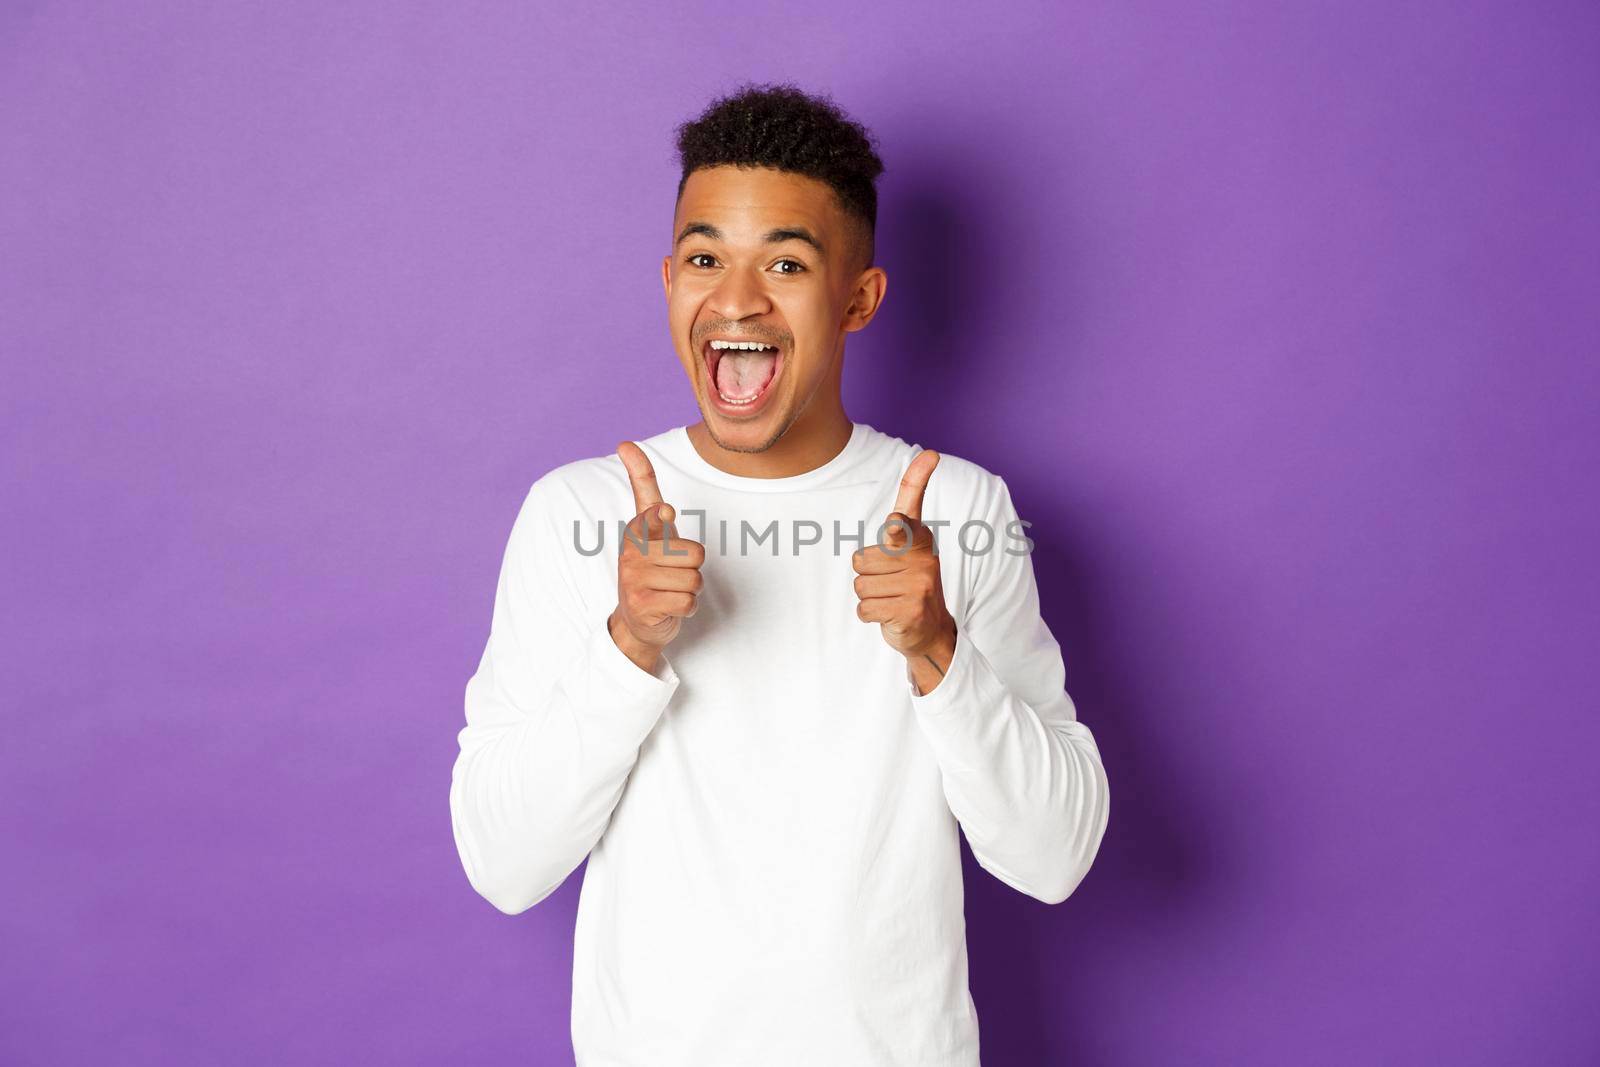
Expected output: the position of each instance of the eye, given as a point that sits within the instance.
(799, 268)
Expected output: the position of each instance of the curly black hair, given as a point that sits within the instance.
(778, 125)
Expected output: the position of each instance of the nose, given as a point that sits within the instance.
(740, 294)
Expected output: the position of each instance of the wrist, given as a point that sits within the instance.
(929, 661)
(643, 656)
(941, 647)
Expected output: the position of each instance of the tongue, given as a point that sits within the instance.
(742, 375)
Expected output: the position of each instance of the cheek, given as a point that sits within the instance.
(814, 369)
(680, 323)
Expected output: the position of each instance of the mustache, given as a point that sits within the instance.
(743, 333)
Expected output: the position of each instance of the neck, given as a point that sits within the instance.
(818, 435)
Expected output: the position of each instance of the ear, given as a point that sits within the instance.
(666, 276)
(866, 299)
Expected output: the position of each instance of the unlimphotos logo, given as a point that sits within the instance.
(975, 537)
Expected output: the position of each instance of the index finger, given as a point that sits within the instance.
(641, 476)
(914, 483)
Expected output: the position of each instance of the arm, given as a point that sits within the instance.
(555, 717)
(1021, 774)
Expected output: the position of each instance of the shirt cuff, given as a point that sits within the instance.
(969, 682)
(628, 676)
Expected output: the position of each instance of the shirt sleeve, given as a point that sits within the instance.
(1022, 776)
(555, 715)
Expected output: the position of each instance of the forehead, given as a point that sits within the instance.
(741, 200)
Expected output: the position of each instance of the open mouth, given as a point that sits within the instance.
(741, 372)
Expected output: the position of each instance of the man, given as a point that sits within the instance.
(764, 705)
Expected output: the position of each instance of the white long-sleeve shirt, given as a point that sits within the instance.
(771, 815)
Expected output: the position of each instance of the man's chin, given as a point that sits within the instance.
(743, 435)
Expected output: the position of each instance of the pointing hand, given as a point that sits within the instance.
(658, 573)
(897, 581)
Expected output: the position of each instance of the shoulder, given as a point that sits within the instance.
(962, 491)
(960, 488)
(578, 480)
(590, 486)
(967, 479)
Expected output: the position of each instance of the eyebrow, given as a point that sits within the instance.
(771, 237)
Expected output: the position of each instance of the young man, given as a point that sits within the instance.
(765, 705)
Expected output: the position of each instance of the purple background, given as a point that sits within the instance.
(1280, 322)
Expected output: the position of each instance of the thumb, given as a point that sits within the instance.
(914, 483)
(641, 476)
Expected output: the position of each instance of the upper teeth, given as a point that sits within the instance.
(753, 346)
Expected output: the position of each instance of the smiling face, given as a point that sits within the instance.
(765, 256)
